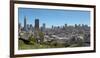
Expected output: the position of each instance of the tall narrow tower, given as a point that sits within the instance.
(25, 23)
(36, 32)
(37, 24)
(43, 27)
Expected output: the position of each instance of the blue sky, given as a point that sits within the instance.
(54, 16)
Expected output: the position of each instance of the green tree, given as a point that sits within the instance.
(41, 35)
(32, 39)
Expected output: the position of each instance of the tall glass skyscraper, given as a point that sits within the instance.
(43, 27)
(25, 23)
(37, 24)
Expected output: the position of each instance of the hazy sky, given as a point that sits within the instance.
(53, 16)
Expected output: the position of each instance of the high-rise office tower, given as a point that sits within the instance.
(36, 31)
(65, 25)
(37, 24)
(25, 23)
(19, 25)
(52, 26)
(43, 27)
(31, 27)
(28, 27)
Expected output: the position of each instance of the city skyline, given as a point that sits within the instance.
(53, 17)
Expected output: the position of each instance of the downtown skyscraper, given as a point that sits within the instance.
(37, 24)
(25, 23)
